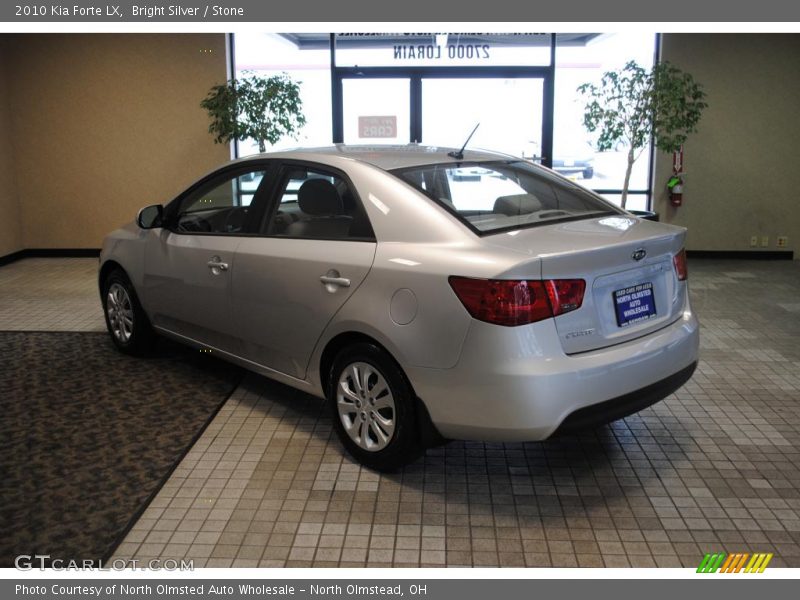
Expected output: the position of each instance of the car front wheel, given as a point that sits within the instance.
(372, 408)
(126, 321)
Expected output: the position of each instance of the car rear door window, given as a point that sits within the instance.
(316, 204)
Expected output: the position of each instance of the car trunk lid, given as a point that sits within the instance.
(627, 263)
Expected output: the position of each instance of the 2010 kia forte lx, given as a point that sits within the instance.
(425, 293)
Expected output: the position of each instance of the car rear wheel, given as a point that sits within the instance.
(372, 406)
(126, 321)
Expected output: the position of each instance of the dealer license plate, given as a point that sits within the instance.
(635, 304)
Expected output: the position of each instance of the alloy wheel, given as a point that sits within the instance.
(119, 309)
(366, 406)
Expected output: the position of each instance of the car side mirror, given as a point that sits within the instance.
(150, 217)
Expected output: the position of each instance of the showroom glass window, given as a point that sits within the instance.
(574, 152)
(434, 87)
(306, 59)
(442, 49)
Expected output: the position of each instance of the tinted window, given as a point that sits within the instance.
(503, 195)
(219, 207)
(318, 205)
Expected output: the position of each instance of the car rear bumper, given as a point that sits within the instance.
(508, 387)
(622, 406)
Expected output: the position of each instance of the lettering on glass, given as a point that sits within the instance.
(438, 52)
(377, 127)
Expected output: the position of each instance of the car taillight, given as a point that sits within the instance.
(565, 294)
(517, 302)
(680, 265)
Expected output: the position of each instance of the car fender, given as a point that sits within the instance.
(126, 247)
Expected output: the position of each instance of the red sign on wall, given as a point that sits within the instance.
(377, 127)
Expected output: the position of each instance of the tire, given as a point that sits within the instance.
(127, 323)
(377, 427)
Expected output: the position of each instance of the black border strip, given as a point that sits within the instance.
(742, 254)
(49, 253)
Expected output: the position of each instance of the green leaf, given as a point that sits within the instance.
(632, 105)
(263, 109)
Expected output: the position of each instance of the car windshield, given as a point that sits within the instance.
(490, 197)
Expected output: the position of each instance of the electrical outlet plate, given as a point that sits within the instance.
(765, 241)
(753, 241)
(783, 241)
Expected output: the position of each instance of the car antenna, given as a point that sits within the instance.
(460, 154)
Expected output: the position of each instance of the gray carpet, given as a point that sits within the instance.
(88, 435)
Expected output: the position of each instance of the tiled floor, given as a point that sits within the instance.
(714, 467)
(45, 294)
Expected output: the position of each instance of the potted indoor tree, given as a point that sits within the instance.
(263, 109)
(631, 104)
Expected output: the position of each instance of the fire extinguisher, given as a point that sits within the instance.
(675, 187)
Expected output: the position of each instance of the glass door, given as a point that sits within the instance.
(376, 110)
(509, 111)
(442, 110)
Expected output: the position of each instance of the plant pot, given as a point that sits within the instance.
(648, 215)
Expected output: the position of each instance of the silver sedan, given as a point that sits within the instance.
(426, 293)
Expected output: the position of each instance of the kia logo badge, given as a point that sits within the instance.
(639, 254)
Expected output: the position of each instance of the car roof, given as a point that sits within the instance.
(386, 157)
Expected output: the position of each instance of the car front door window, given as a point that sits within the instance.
(220, 207)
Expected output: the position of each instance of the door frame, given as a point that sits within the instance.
(417, 74)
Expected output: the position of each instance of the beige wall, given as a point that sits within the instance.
(92, 127)
(743, 167)
(10, 233)
(105, 124)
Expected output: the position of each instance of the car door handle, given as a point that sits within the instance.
(340, 281)
(216, 263)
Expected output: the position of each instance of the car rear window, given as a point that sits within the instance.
(490, 197)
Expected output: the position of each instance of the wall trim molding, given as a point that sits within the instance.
(743, 254)
(49, 253)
